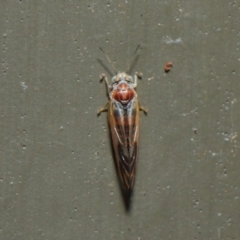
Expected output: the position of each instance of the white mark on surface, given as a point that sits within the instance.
(151, 78)
(169, 40)
(234, 137)
(24, 85)
(185, 114)
(91, 7)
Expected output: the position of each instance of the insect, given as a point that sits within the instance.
(123, 120)
(168, 67)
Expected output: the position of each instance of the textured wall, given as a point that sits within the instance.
(57, 176)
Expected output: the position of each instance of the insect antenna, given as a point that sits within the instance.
(109, 60)
(134, 59)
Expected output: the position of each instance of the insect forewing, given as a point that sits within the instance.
(124, 126)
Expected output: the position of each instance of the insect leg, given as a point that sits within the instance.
(143, 109)
(103, 77)
(136, 77)
(103, 109)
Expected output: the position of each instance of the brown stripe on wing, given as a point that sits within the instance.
(125, 125)
(127, 164)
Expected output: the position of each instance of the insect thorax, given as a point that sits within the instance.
(123, 92)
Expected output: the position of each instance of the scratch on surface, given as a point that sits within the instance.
(185, 114)
(232, 102)
(232, 136)
(219, 232)
(60, 143)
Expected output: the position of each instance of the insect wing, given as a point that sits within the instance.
(124, 127)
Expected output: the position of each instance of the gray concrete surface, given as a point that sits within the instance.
(57, 176)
